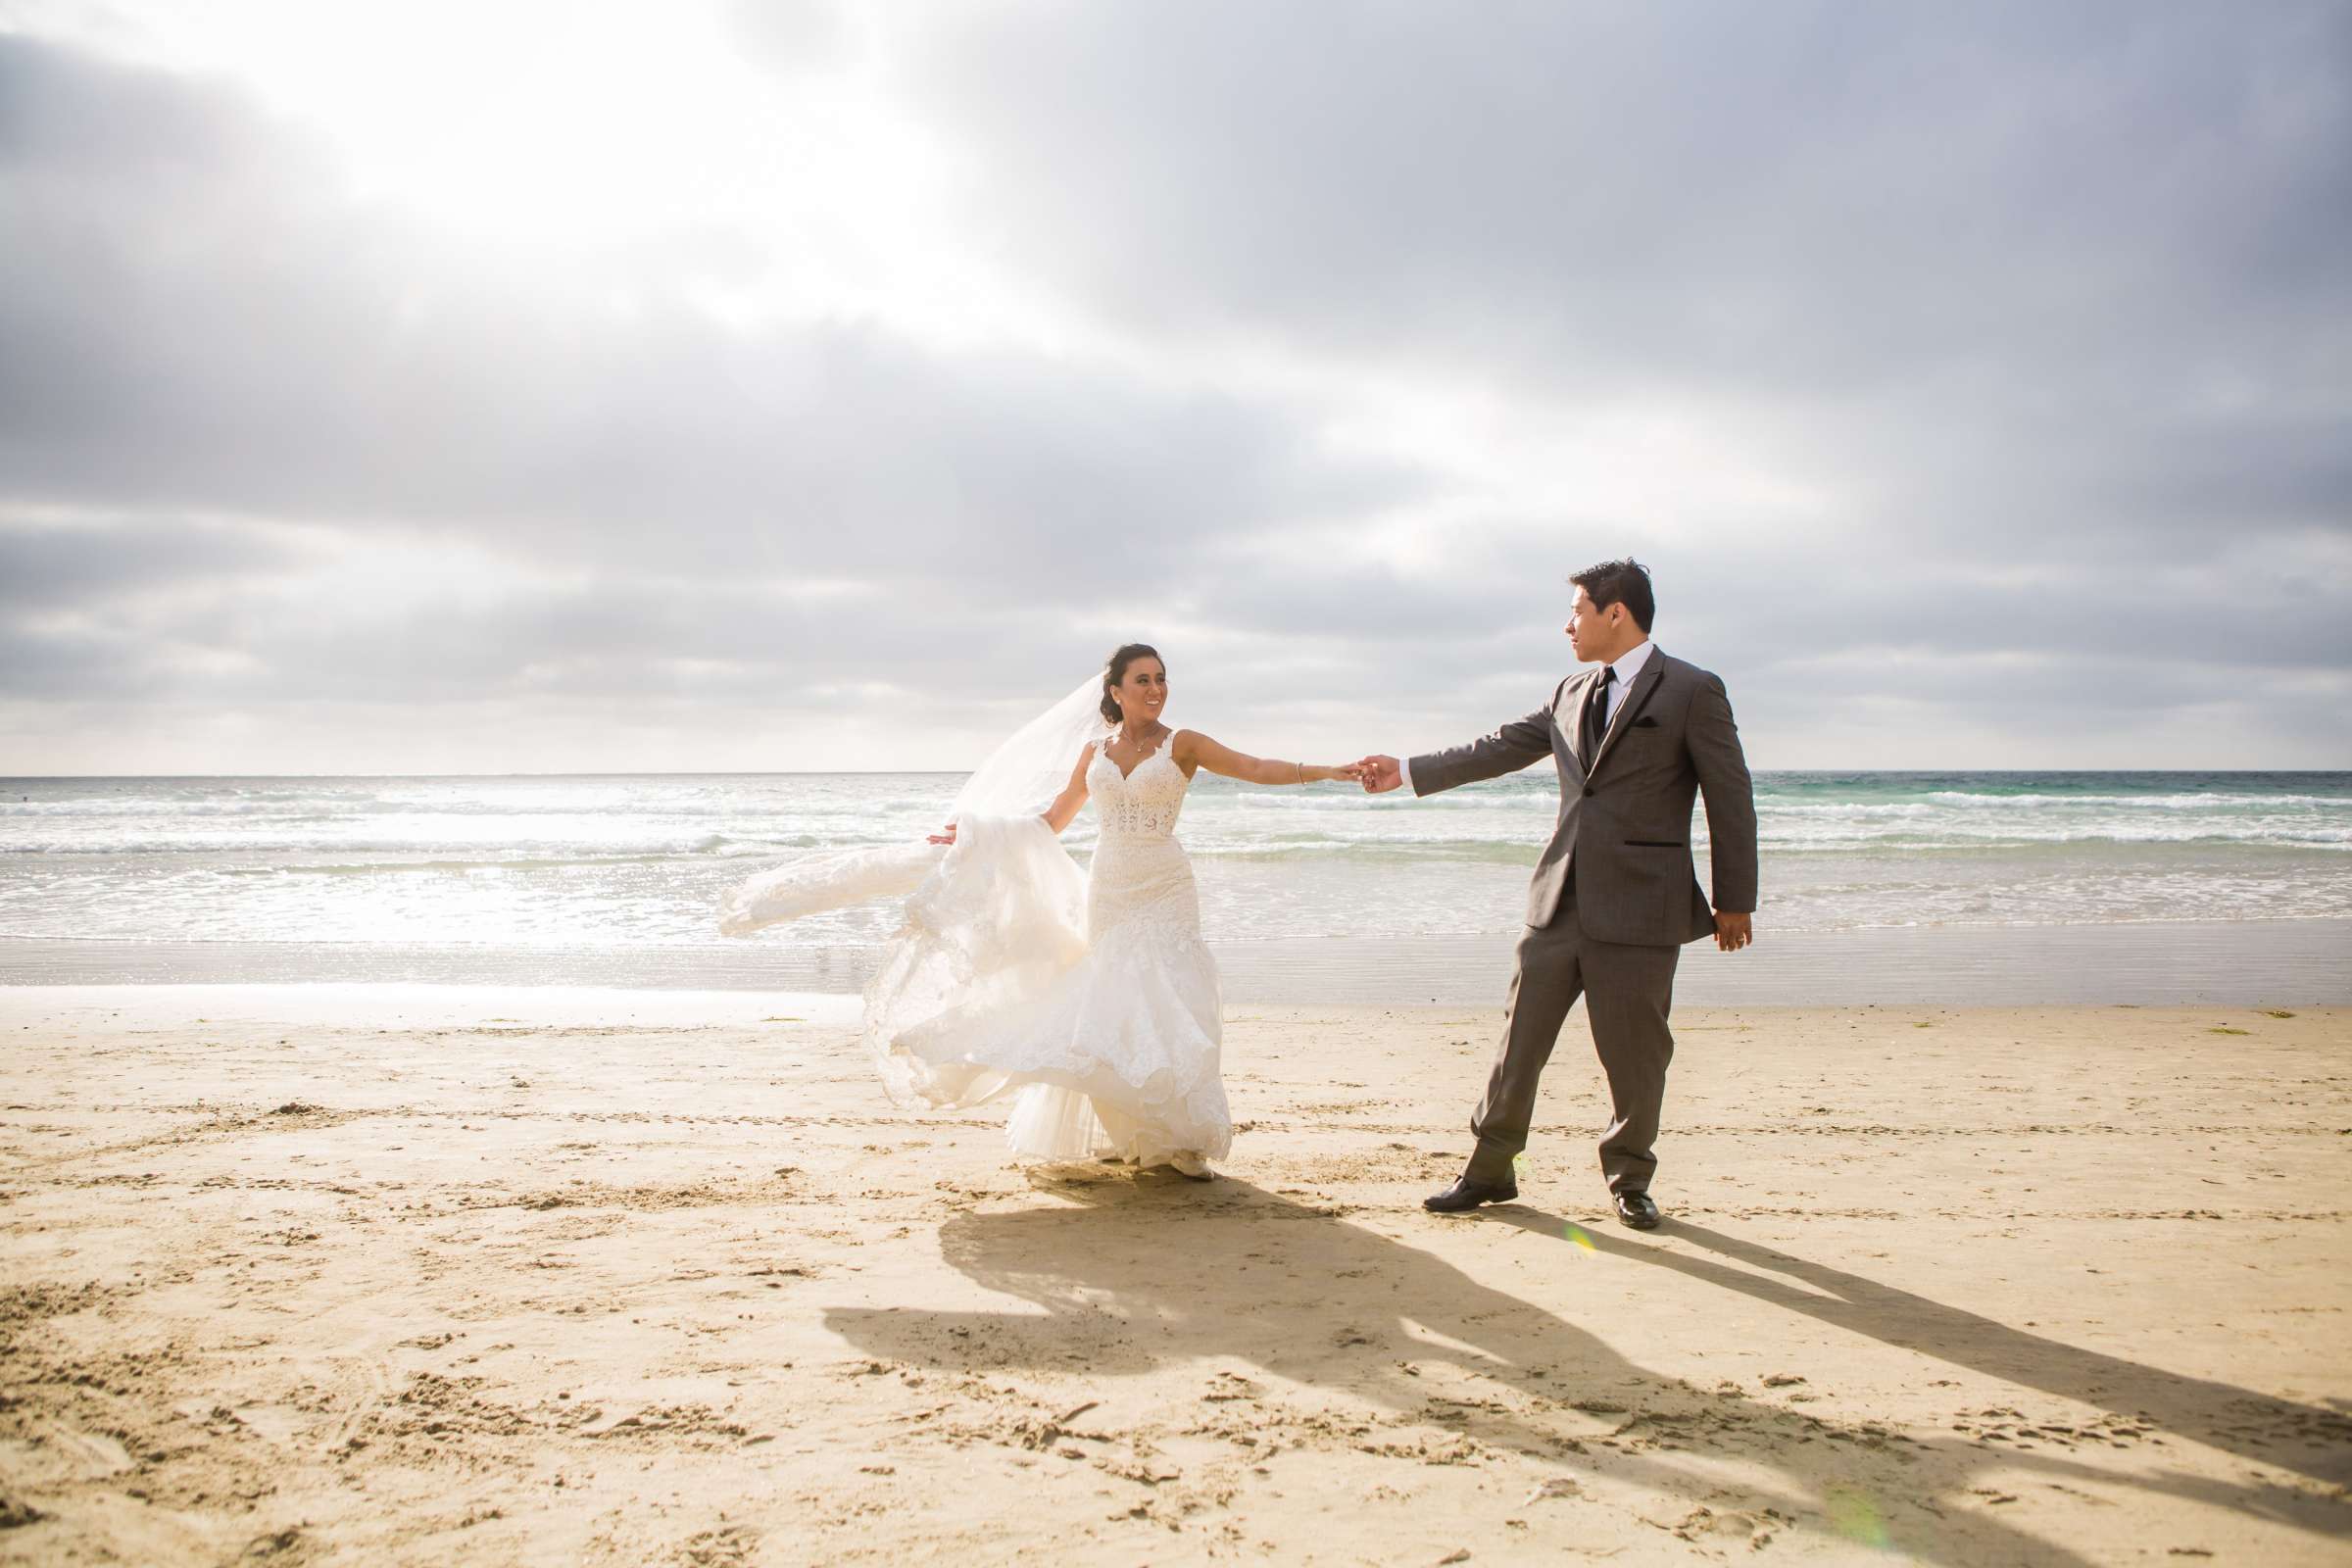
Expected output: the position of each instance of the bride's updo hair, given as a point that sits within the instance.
(1114, 671)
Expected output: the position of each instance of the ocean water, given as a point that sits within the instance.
(580, 878)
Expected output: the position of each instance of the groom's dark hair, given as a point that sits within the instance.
(1621, 582)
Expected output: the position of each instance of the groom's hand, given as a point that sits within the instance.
(1379, 775)
(1734, 931)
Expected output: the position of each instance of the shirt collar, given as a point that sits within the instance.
(1629, 663)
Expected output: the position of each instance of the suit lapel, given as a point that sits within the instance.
(1628, 710)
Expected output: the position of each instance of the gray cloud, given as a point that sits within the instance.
(52, 565)
(313, 625)
(2043, 287)
(1831, 196)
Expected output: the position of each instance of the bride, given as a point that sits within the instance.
(1094, 1001)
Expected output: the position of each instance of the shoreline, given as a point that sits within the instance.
(445, 1275)
(2287, 963)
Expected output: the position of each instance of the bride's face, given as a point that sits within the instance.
(1142, 691)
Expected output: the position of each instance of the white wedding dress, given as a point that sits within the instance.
(1094, 1001)
(1119, 1052)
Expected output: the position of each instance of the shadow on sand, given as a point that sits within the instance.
(2310, 1441)
(1140, 1273)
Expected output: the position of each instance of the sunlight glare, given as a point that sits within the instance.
(591, 139)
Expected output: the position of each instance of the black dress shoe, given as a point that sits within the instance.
(1637, 1210)
(1465, 1194)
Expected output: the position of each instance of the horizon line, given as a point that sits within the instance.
(949, 773)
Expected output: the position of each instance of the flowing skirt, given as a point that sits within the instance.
(1100, 1011)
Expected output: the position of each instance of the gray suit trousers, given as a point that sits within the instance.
(1628, 990)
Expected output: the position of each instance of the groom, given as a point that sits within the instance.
(1615, 894)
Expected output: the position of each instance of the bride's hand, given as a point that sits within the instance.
(948, 837)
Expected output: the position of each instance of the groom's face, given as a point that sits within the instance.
(1596, 633)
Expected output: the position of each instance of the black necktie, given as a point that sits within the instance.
(1597, 717)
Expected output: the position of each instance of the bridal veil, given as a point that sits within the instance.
(990, 920)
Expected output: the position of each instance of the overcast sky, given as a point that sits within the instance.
(476, 388)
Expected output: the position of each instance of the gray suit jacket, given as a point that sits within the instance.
(1625, 812)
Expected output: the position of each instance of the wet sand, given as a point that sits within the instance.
(407, 1275)
(2252, 963)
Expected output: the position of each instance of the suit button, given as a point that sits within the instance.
(1588, 792)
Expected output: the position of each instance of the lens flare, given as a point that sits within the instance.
(1577, 1237)
(1856, 1516)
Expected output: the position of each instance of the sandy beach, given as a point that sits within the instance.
(372, 1274)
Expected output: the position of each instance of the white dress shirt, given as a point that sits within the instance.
(1627, 664)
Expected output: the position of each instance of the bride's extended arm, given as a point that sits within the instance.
(1064, 810)
(1196, 750)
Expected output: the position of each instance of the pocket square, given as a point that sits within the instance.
(1645, 723)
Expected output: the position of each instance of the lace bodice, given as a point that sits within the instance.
(1146, 802)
